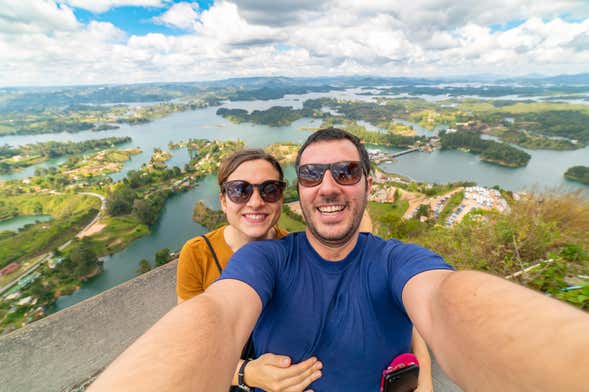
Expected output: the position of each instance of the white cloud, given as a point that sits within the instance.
(100, 6)
(34, 16)
(181, 15)
(41, 42)
(224, 24)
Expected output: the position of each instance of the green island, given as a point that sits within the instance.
(395, 134)
(490, 151)
(209, 218)
(578, 173)
(78, 118)
(285, 153)
(16, 158)
(534, 141)
(275, 116)
(547, 125)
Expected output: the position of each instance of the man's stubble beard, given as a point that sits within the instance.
(335, 242)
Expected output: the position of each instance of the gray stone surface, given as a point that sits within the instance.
(68, 347)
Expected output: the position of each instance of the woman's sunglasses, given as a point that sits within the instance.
(344, 173)
(240, 192)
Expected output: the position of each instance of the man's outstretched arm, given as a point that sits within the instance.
(194, 347)
(489, 334)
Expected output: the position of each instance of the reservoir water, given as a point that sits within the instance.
(20, 221)
(545, 170)
(174, 227)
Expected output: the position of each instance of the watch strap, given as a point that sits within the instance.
(240, 376)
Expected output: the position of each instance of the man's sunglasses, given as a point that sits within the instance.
(344, 173)
(240, 192)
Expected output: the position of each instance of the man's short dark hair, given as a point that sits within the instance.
(328, 134)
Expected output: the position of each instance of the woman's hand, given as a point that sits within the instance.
(274, 373)
(425, 387)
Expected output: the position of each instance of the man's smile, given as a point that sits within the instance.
(331, 209)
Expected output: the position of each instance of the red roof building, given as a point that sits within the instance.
(9, 269)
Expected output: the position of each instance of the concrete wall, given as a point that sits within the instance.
(68, 347)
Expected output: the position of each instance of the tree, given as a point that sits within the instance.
(120, 201)
(162, 256)
(176, 171)
(422, 210)
(37, 208)
(84, 258)
(144, 211)
(42, 290)
(135, 178)
(144, 267)
(396, 195)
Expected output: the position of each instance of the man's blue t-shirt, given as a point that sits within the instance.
(348, 313)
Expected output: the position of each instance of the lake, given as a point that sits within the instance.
(545, 170)
(20, 221)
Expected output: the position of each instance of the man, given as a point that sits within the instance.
(349, 298)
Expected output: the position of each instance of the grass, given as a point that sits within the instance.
(42, 237)
(542, 227)
(58, 206)
(71, 213)
(289, 224)
(540, 107)
(521, 107)
(380, 211)
(118, 234)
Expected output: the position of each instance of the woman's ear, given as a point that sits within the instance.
(223, 201)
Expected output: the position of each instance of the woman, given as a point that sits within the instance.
(252, 186)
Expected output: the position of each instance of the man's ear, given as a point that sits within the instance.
(368, 184)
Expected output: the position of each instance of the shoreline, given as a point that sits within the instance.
(576, 179)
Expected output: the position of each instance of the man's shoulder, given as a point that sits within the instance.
(282, 243)
(376, 243)
(392, 245)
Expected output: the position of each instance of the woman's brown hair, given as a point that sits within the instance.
(231, 163)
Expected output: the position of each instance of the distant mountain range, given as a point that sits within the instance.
(14, 99)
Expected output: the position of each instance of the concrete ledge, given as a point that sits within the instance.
(68, 347)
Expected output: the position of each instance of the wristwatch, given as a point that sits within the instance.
(240, 379)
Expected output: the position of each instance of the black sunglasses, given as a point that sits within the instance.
(240, 192)
(344, 173)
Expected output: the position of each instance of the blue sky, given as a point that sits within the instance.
(135, 20)
(60, 42)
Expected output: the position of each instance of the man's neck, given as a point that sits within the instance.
(332, 252)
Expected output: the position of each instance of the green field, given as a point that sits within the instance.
(382, 214)
(71, 213)
(119, 232)
(289, 224)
